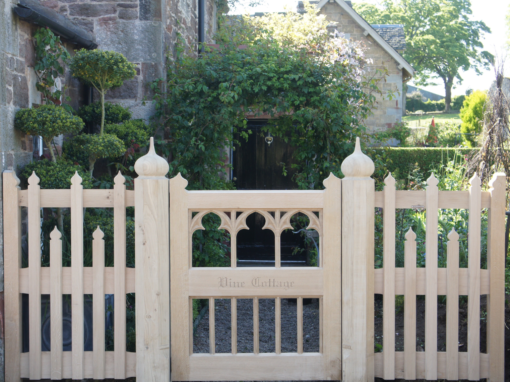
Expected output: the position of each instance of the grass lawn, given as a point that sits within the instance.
(424, 120)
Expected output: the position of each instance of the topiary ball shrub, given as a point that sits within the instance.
(113, 113)
(56, 175)
(134, 133)
(471, 114)
(48, 121)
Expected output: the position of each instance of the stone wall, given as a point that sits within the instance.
(387, 112)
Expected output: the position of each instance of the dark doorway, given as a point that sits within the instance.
(259, 165)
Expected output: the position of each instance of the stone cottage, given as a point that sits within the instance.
(385, 45)
(142, 30)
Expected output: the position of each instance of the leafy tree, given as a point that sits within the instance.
(114, 113)
(472, 115)
(103, 70)
(441, 39)
(48, 121)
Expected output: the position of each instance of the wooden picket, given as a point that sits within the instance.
(345, 280)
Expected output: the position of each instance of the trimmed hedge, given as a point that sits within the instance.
(400, 161)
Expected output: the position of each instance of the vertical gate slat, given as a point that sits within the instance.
(56, 303)
(256, 325)
(389, 278)
(278, 325)
(277, 242)
(432, 198)
(233, 324)
(12, 265)
(99, 304)
(496, 266)
(300, 325)
(233, 240)
(410, 306)
(34, 271)
(475, 209)
(119, 251)
(77, 276)
(212, 327)
(452, 307)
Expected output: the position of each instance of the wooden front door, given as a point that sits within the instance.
(188, 283)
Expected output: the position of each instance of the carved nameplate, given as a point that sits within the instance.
(256, 282)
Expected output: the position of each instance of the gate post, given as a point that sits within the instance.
(152, 272)
(358, 267)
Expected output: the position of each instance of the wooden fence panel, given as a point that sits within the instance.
(452, 307)
(409, 307)
(56, 303)
(99, 304)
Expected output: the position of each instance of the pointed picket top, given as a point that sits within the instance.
(76, 179)
(55, 234)
(432, 180)
(330, 180)
(389, 181)
(475, 181)
(151, 164)
(179, 181)
(33, 180)
(410, 235)
(119, 179)
(453, 235)
(98, 234)
(358, 165)
(498, 180)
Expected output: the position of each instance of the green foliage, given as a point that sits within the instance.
(314, 87)
(472, 114)
(416, 104)
(50, 59)
(210, 245)
(442, 39)
(114, 113)
(56, 175)
(48, 121)
(134, 133)
(399, 131)
(103, 70)
(458, 102)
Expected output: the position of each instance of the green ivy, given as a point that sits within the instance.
(114, 113)
(48, 121)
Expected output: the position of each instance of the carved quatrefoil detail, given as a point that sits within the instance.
(235, 223)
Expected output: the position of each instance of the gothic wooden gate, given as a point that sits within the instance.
(187, 208)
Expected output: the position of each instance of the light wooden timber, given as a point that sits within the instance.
(88, 280)
(34, 271)
(452, 307)
(331, 260)
(473, 328)
(152, 269)
(261, 282)
(389, 280)
(263, 367)
(12, 265)
(180, 262)
(442, 365)
(88, 365)
(421, 280)
(409, 308)
(496, 268)
(263, 200)
(98, 309)
(357, 268)
(56, 312)
(119, 252)
(431, 204)
(91, 198)
(417, 199)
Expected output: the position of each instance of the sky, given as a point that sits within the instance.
(491, 12)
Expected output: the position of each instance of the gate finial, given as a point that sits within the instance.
(151, 164)
(358, 165)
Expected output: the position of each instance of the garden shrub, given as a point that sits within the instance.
(114, 113)
(48, 121)
(56, 175)
(471, 115)
(133, 133)
(458, 102)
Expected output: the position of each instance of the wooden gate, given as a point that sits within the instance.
(187, 208)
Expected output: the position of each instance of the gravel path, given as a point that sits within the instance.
(223, 328)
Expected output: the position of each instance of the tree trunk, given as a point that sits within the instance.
(92, 162)
(448, 98)
(50, 147)
(102, 112)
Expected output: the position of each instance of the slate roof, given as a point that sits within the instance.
(393, 35)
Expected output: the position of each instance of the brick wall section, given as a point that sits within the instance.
(387, 112)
